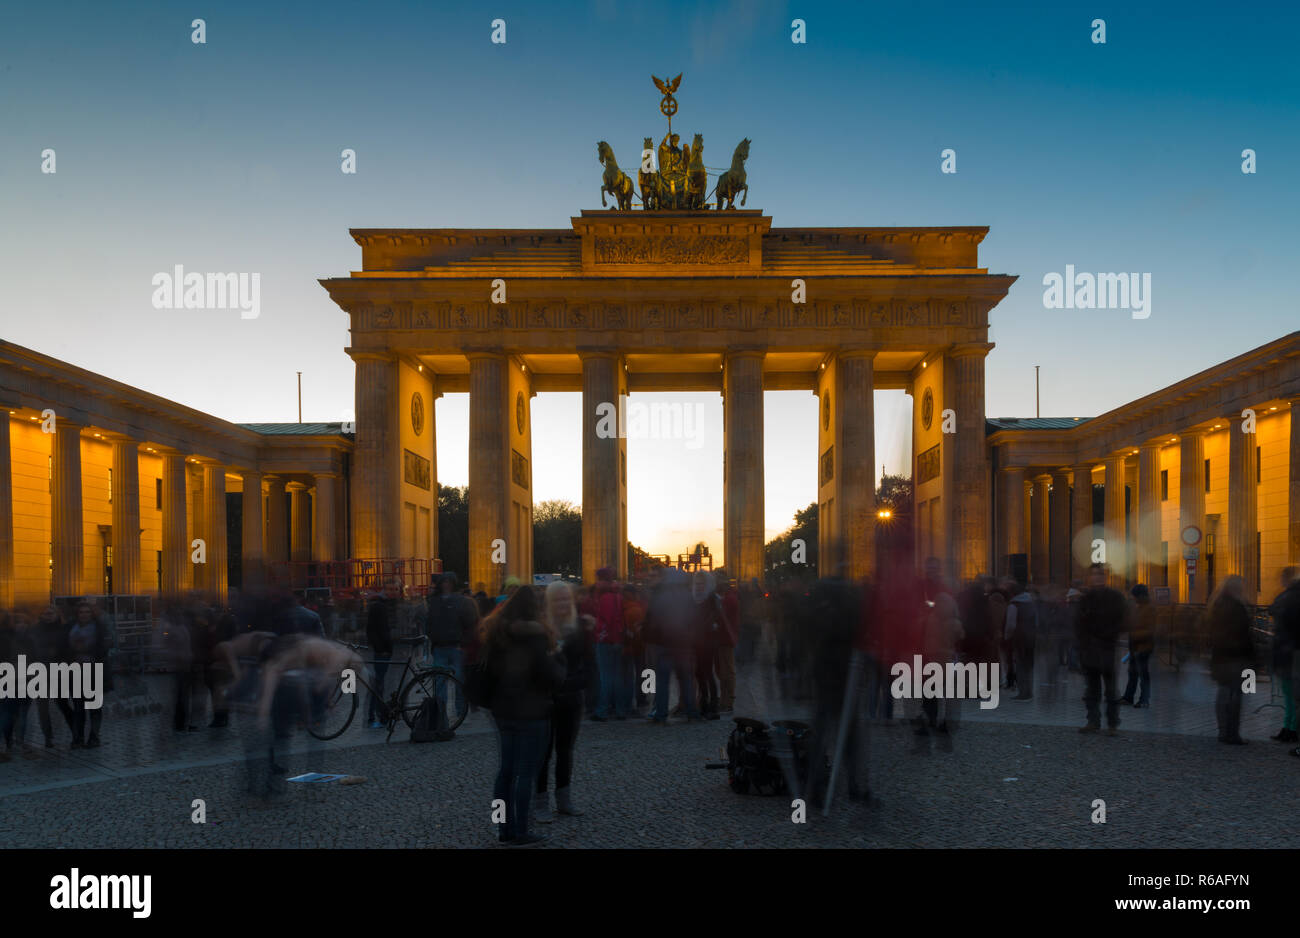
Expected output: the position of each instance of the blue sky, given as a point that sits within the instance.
(225, 156)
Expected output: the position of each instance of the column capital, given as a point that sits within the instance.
(295, 486)
(1152, 444)
(858, 351)
(485, 353)
(597, 352)
(745, 351)
(377, 355)
(969, 350)
(1084, 467)
(1010, 469)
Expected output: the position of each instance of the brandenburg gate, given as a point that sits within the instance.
(628, 301)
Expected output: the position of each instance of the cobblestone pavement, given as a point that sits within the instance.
(1018, 775)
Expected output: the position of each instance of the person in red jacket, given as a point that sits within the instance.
(607, 597)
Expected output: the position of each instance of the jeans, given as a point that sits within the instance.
(376, 708)
(1288, 718)
(878, 689)
(1096, 678)
(725, 661)
(1227, 708)
(704, 655)
(609, 662)
(452, 658)
(566, 718)
(1139, 673)
(667, 661)
(522, 743)
(1024, 652)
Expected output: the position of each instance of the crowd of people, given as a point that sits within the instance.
(546, 658)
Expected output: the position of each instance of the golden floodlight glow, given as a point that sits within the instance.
(884, 513)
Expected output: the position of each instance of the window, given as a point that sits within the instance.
(110, 486)
(157, 494)
(158, 561)
(1259, 555)
(1164, 552)
(1207, 475)
(1164, 485)
(1258, 467)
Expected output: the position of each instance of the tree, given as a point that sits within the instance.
(557, 538)
(453, 530)
(781, 553)
(894, 534)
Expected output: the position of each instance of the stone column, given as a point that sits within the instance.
(1081, 522)
(299, 522)
(1039, 544)
(1293, 485)
(1059, 529)
(377, 465)
(215, 579)
(7, 569)
(742, 474)
(126, 517)
(324, 539)
(1149, 559)
(1011, 499)
(175, 530)
(969, 532)
(1243, 503)
(1191, 509)
(1113, 522)
(251, 564)
(277, 521)
(488, 454)
(602, 542)
(67, 534)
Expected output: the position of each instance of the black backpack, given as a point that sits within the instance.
(430, 724)
(753, 765)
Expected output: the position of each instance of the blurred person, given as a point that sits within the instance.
(1285, 612)
(525, 672)
(50, 644)
(979, 644)
(88, 643)
(304, 619)
(560, 614)
(381, 622)
(1141, 643)
(452, 624)
(634, 658)
(1101, 618)
(177, 653)
(1068, 649)
(12, 645)
(222, 626)
(724, 661)
(706, 624)
(607, 598)
(1022, 636)
(1231, 652)
(941, 635)
(999, 597)
(668, 618)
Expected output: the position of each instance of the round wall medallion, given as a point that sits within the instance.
(826, 410)
(927, 408)
(417, 413)
(521, 412)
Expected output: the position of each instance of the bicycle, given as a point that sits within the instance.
(425, 682)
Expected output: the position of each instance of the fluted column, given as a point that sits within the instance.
(215, 579)
(1039, 550)
(1081, 521)
(1113, 522)
(602, 542)
(1243, 503)
(1011, 499)
(175, 529)
(67, 534)
(377, 459)
(488, 453)
(1293, 485)
(126, 517)
(324, 538)
(1149, 560)
(252, 552)
(742, 480)
(1191, 508)
(299, 522)
(1059, 529)
(7, 569)
(969, 533)
(277, 520)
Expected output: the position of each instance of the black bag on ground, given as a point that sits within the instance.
(430, 724)
(751, 765)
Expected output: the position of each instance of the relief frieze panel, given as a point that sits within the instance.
(671, 249)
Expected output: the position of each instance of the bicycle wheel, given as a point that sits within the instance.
(436, 685)
(339, 709)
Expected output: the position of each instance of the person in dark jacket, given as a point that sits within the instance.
(524, 674)
(451, 623)
(1022, 636)
(667, 631)
(1101, 619)
(573, 639)
(707, 623)
(1231, 652)
(381, 619)
(1285, 612)
(1141, 643)
(50, 638)
(88, 643)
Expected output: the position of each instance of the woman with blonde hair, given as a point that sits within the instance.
(573, 640)
(523, 674)
(1231, 652)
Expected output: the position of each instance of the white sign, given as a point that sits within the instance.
(1191, 535)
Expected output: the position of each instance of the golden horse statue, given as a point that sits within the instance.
(614, 181)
